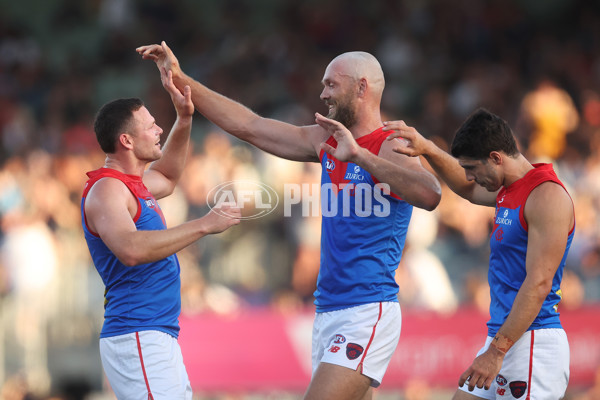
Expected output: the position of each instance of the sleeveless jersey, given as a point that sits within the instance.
(508, 244)
(143, 297)
(363, 231)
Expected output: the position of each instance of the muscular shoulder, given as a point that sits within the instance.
(108, 192)
(549, 202)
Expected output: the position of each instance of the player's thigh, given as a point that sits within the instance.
(145, 363)
(361, 338)
(334, 382)
(537, 365)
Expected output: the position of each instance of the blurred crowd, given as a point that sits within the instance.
(534, 63)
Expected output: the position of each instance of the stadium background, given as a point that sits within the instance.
(247, 294)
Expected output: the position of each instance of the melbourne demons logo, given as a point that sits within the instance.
(517, 388)
(353, 351)
(499, 235)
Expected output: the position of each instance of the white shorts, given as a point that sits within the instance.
(536, 367)
(361, 338)
(145, 365)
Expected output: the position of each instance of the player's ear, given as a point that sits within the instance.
(496, 158)
(126, 140)
(362, 87)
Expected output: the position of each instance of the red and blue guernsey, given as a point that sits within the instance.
(508, 245)
(143, 297)
(362, 233)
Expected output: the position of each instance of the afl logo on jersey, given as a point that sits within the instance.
(150, 203)
(329, 165)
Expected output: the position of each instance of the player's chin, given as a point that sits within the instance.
(491, 188)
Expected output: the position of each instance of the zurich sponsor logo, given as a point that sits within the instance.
(504, 220)
(356, 175)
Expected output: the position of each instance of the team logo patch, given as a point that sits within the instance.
(499, 234)
(517, 388)
(339, 339)
(353, 351)
(501, 381)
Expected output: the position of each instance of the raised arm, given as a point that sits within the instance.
(407, 177)
(446, 166)
(109, 210)
(275, 137)
(550, 218)
(163, 174)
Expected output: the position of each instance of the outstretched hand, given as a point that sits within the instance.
(162, 55)
(221, 217)
(414, 144)
(347, 149)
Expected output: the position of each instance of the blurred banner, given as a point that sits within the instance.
(266, 350)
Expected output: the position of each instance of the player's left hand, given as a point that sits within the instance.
(347, 149)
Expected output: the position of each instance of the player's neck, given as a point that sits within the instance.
(366, 124)
(123, 165)
(516, 168)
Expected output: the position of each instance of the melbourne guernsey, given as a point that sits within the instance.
(143, 297)
(508, 245)
(362, 234)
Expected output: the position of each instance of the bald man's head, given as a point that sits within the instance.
(358, 65)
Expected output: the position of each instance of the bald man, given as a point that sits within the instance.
(368, 192)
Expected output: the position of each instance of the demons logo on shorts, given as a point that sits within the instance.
(353, 351)
(518, 388)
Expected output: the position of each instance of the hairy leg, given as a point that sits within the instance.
(333, 382)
